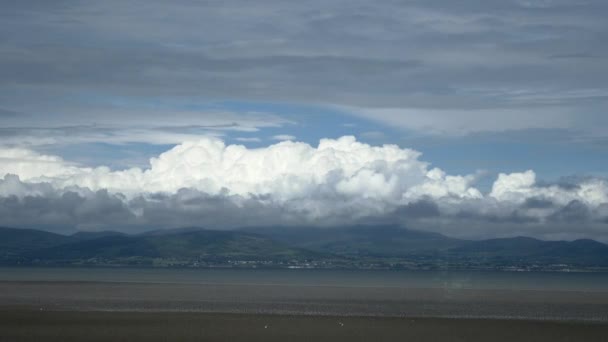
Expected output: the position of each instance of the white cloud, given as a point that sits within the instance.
(243, 139)
(458, 122)
(118, 126)
(518, 187)
(28, 164)
(340, 181)
(512, 186)
(284, 137)
(286, 171)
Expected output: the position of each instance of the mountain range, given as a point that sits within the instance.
(345, 247)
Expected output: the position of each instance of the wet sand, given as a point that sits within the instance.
(305, 300)
(17, 325)
(121, 311)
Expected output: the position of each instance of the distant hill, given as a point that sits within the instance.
(173, 231)
(181, 244)
(344, 247)
(580, 252)
(15, 242)
(397, 242)
(373, 241)
(81, 236)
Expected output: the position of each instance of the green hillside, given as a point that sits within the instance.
(207, 245)
(365, 241)
(345, 247)
(14, 243)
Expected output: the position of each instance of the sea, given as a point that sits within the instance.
(573, 296)
(481, 280)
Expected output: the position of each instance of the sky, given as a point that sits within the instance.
(472, 119)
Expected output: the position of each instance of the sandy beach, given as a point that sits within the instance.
(149, 311)
(17, 325)
(305, 300)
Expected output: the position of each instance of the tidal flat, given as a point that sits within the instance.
(305, 300)
(158, 305)
(66, 326)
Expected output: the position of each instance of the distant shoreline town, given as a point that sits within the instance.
(359, 247)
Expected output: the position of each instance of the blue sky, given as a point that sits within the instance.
(551, 153)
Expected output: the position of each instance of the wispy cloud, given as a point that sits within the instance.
(283, 137)
(493, 59)
(121, 127)
(248, 139)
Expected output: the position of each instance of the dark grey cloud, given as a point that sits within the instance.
(542, 60)
(66, 212)
(566, 182)
(538, 203)
(189, 207)
(41, 206)
(574, 211)
(517, 216)
(8, 113)
(419, 209)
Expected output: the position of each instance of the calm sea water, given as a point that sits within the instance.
(596, 282)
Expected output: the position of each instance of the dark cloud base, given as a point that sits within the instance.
(79, 209)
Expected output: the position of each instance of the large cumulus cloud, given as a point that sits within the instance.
(339, 181)
(287, 171)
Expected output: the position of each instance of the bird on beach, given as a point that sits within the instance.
(341, 324)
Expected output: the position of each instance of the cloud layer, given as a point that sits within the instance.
(339, 181)
(432, 66)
